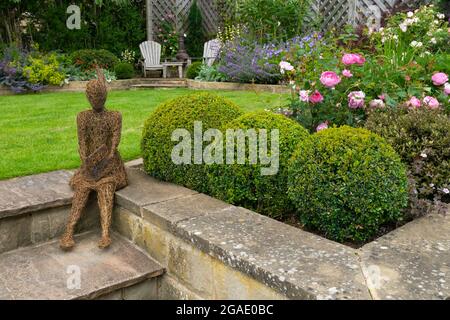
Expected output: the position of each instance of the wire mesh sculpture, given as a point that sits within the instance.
(102, 169)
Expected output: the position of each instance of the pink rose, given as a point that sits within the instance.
(414, 102)
(382, 97)
(316, 97)
(347, 73)
(330, 79)
(377, 103)
(353, 58)
(322, 126)
(304, 95)
(439, 78)
(431, 102)
(447, 88)
(356, 99)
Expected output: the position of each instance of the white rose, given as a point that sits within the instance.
(433, 40)
(410, 14)
(403, 27)
(414, 44)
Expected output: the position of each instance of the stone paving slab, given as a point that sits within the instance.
(412, 262)
(33, 193)
(144, 190)
(42, 272)
(297, 263)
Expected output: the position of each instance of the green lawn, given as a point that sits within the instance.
(38, 131)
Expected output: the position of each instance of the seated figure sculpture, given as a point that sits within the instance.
(102, 169)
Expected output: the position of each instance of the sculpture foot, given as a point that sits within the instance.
(66, 243)
(104, 242)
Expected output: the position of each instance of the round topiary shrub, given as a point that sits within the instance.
(244, 183)
(347, 184)
(124, 70)
(193, 70)
(157, 146)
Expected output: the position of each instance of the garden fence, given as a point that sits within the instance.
(337, 13)
(325, 14)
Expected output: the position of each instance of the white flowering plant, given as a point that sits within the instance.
(423, 32)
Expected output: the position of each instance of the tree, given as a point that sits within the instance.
(195, 34)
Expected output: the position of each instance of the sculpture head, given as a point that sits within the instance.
(96, 91)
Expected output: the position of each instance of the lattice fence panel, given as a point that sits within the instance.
(180, 10)
(329, 13)
(337, 13)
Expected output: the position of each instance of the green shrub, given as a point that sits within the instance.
(87, 59)
(421, 138)
(347, 184)
(124, 70)
(195, 38)
(244, 184)
(193, 70)
(181, 113)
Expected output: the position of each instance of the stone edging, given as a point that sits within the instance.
(412, 262)
(79, 86)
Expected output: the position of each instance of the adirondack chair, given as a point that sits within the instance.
(151, 52)
(211, 51)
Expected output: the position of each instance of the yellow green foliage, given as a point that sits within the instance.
(44, 70)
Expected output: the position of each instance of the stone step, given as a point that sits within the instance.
(45, 272)
(34, 209)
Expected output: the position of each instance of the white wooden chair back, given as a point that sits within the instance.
(151, 52)
(211, 51)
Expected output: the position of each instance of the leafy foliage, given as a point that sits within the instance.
(211, 74)
(421, 138)
(87, 59)
(243, 184)
(269, 20)
(124, 70)
(193, 70)
(156, 145)
(347, 183)
(114, 25)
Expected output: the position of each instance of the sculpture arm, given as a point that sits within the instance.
(116, 134)
(81, 128)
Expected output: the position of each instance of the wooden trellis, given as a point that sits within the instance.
(337, 13)
(180, 10)
(325, 14)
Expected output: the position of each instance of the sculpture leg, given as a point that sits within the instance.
(78, 203)
(105, 203)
